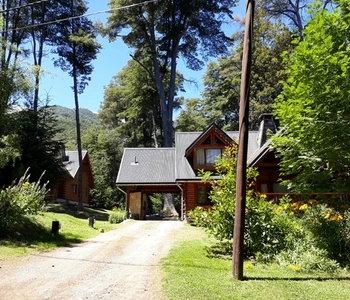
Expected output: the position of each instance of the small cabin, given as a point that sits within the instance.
(66, 188)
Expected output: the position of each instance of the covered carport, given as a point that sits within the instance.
(145, 171)
(137, 197)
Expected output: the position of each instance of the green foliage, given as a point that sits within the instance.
(266, 229)
(34, 139)
(19, 200)
(131, 107)
(309, 235)
(192, 116)
(156, 203)
(222, 79)
(219, 219)
(117, 216)
(314, 107)
(9, 149)
(192, 30)
(105, 152)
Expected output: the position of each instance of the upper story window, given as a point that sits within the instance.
(207, 149)
(207, 157)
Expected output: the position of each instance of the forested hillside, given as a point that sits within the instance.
(66, 122)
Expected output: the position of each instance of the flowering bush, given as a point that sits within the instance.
(19, 200)
(311, 235)
(117, 216)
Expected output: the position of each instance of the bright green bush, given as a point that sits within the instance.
(117, 216)
(308, 235)
(321, 239)
(266, 228)
(17, 201)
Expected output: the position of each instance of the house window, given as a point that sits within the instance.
(278, 188)
(263, 188)
(75, 188)
(203, 194)
(207, 156)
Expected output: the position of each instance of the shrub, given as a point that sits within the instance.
(117, 216)
(308, 235)
(19, 200)
(267, 227)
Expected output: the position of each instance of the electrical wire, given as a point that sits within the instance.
(22, 6)
(81, 16)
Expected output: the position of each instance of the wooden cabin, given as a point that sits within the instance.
(175, 170)
(66, 189)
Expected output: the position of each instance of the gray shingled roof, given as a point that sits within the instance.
(72, 165)
(147, 166)
(168, 165)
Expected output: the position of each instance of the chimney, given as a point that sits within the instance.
(267, 123)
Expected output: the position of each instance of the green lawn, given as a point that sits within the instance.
(36, 233)
(190, 274)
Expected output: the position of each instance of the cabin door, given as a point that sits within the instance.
(135, 205)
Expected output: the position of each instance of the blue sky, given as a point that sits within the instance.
(110, 61)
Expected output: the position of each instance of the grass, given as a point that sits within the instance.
(190, 274)
(36, 230)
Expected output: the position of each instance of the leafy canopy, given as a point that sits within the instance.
(315, 106)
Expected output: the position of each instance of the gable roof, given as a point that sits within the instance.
(147, 166)
(182, 139)
(72, 164)
(211, 127)
(169, 165)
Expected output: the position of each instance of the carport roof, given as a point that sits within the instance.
(147, 166)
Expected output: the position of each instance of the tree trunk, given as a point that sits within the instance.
(38, 57)
(80, 155)
(77, 121)
(168, 207)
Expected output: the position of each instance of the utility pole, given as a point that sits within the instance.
(241, 175)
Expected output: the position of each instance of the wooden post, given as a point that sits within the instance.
(241, 175)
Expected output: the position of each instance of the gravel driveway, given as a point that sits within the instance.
(120, 264)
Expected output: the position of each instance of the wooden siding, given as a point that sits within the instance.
(67, 188)
(191, 195)
(70, 187)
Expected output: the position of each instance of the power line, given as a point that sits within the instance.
(81, 16)
(22, 6)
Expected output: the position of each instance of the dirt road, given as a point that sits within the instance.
(120, 264)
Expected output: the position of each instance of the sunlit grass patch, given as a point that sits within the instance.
(190, 274)
(36, 235)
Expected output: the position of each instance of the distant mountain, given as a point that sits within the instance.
(66, 121)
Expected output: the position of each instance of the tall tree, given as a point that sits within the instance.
(131, 107)
(105, 148)
(164, 30)
(295, 12)
(33, 134)
(14, 82)
(76, 47)
(192, 117)
(39, 14)
(14, 36)
(315, 107)
(222, 78)
(221, 90)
